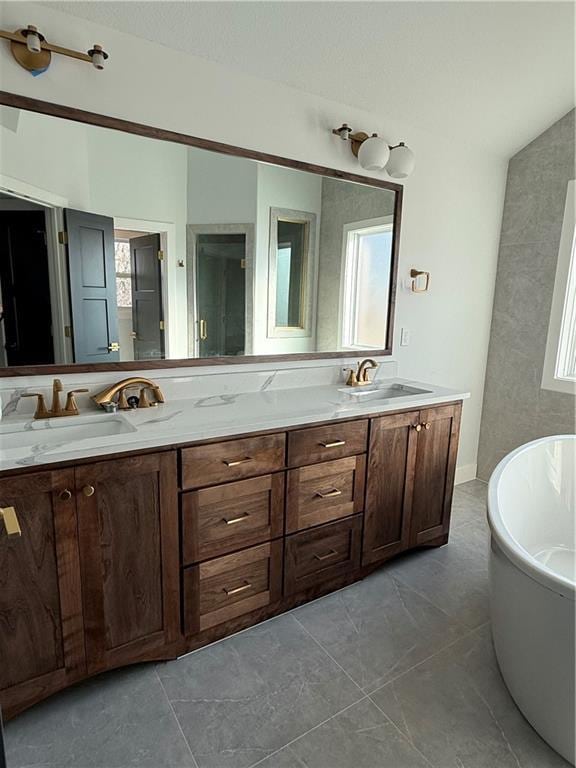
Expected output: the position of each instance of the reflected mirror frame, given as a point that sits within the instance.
(51, 109)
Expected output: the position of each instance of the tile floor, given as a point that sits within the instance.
(394, 672)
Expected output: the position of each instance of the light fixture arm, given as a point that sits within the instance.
(38, 62)
(397, 167)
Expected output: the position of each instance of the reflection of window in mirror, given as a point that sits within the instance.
(291, 273)
(292, 253)
(365, 289)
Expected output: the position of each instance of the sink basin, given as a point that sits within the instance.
(386, 392)
(56, 435)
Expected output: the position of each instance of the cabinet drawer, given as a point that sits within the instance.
(308, 446)
(232, 460)
(223, 589)
(324, 492)
(228, 517)
(319, 555)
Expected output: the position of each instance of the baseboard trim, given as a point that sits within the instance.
(465, 473)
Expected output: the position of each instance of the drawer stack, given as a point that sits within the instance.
(268, 517)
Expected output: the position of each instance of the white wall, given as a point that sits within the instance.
(452, 204)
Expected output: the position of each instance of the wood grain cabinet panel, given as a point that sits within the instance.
(331, 441)
(222, 589)
(434, 473)
(228, 517)
(128, 529)
(391, 463)
(322, 554)
(216, 463)
(41, 630)
(323, 492)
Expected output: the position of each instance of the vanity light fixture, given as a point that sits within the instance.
(375, 154)
(31, 50)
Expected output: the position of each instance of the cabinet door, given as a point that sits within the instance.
(391, 462)
(41, 632)
(434, 473)
(128, 529)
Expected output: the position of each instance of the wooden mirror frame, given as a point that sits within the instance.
(139, 129)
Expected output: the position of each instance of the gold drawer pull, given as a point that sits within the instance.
(328, 494)
(327, 555)
(233, 520)
(8, 514)
(333, 444)
(236, 590)
(236, 462)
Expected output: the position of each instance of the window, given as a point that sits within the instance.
(123, 273)
(365, 289)
(560, 361)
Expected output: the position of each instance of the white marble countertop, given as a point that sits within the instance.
(25, 442)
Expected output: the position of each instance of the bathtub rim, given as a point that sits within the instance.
(504, 539)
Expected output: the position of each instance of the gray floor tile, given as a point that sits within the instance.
(478, 489)
(456, 710)
(118, 720)
(378, 628)
(242, 699)
(454, 577)
(360, 737)
(467, 508)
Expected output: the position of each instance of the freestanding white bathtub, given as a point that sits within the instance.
(531, 511)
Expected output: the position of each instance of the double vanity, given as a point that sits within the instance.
(151, 532)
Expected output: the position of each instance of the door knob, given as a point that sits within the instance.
(88, 490)
(417, 427)
(427, 425)
(65, 495)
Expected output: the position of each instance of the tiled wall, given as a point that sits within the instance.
(516, 409)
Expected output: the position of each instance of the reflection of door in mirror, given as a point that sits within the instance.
(138, 259)
(365, 288)
(221, 294)
(25, 306)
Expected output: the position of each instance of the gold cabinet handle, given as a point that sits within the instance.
(236, 590)
(114, 346)
(8, 514)
(333, 444)
(88, 490)
(427, 425)
(327, 555)
(328, 494)
(234, 520)
(65, 495)
(203, 330)
(236, 462)
(417, 427)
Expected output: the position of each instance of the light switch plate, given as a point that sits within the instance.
(404, 337)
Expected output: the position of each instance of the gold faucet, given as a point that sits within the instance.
(70, 409)
(105, 397)
(359, 377)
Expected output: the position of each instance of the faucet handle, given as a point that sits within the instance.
(352, 380)
(71, 407)
(41, 410)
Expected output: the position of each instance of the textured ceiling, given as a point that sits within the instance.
(496, 72)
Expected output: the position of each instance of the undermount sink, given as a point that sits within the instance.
(386, 392)
(55, 435)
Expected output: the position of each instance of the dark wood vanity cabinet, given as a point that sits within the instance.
(411, 465)
(41, 630)
(128, 536)
(147, 556)
(93, 581)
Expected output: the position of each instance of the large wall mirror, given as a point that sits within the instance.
(126, 250)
